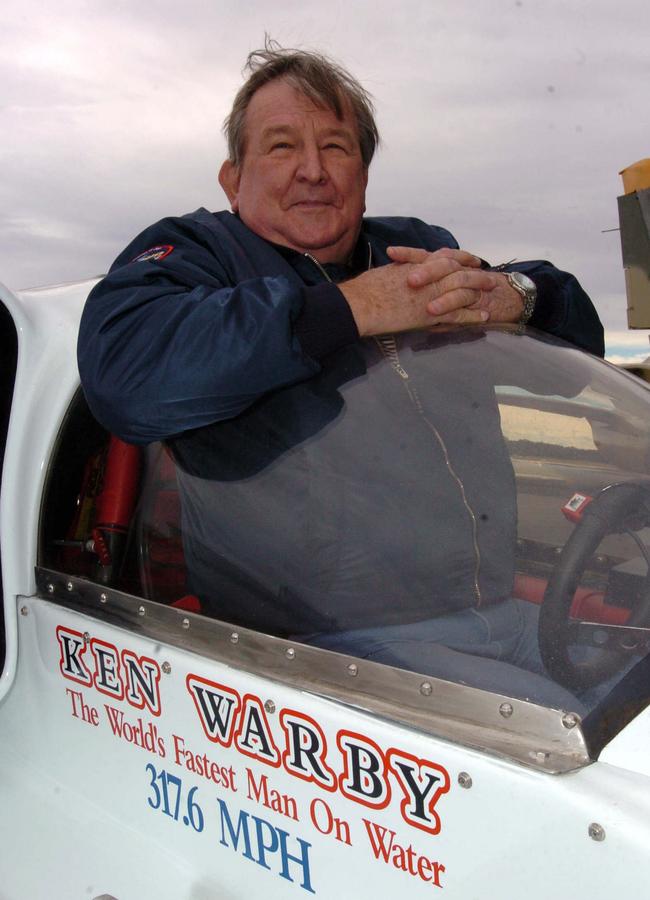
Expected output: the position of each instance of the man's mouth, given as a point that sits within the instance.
(312, 204)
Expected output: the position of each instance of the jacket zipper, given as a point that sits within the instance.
(318, 266)
(388, 347)
(323, 271)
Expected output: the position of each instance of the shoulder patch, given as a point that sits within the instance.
(154, 253)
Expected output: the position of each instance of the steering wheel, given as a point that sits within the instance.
(618, 508)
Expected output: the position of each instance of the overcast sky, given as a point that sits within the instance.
(506, 121)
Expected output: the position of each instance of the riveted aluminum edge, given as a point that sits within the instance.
(532, 735)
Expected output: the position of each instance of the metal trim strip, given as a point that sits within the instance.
(546, 739)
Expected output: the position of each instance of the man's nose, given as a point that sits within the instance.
(310, 166)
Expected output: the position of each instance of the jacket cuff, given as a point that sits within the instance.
(325, 322)
(549, 306)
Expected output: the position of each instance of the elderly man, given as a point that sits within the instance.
(229, 334)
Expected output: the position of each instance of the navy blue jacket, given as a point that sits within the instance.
(199, 317)
(315, 498)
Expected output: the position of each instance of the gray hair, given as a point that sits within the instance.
(325, 83)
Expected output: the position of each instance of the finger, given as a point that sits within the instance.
(429, 272)
(407, 254)
(464, 257)
(418, 255)
(463, 288)
(483, 301)
(433, 271)
(453, 302)
(464, 316)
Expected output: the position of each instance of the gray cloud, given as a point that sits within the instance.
(507, 121)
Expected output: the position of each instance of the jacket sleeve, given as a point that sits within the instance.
(171, 343)
(562, 308)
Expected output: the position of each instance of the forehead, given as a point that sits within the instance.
(278, 104)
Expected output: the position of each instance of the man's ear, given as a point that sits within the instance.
(229, 181)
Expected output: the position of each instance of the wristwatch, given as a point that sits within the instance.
(527, 289)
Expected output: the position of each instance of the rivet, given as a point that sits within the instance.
(50, 588)
(426, 688)
(166, 667)
(506, 710)
(596, 832)
(103, 598)
(465, 780)
(141, 610)
(570, 720)
(185, 624)
(234, 638)
(269, 706)
(557, 551)
(628, 643)
(290, 653)
(353, 669)
(24, 611)
(540, 756)
(86, 637)
(70, 586)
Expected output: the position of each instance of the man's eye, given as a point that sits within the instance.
(281, 145)
(334, 146)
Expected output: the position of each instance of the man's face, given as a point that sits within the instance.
(302, 180)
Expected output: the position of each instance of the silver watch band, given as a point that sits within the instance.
(527, 289)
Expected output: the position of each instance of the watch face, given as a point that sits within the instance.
(524, 281)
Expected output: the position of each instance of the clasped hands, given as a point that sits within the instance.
(421, 289)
